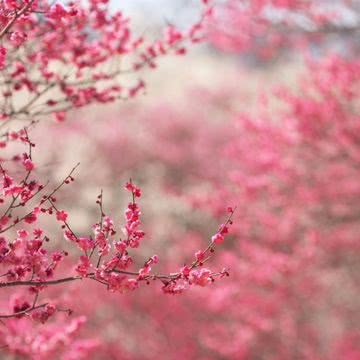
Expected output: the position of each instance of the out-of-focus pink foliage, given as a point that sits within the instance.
(295, 177)
(266, 26)
(292, 172)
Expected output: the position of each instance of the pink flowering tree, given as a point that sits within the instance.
(292, 171)
(60, 57)
(293, 254)
(55, 58)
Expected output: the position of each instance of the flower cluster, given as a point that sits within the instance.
(104, 257)
(62, 56)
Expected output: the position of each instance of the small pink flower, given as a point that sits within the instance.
(83, 267)
(144, 271)
(130, 284)
(28, 164)
(30, 218)
(42, 315)
(185, 271)
(56, 257)
(104, 250)
(68, 235)
(61, 215)
(38, 232)
(217, 238)
(200, 255)
(59, 116)
(2, 56)
(17, 38)
(15, 189)
(22, 233)
(4, 220)
(200, 277)
(134, 189)
(7, 181)
(120, 246)
(85, 243)
(223, 229)
(57, 11)
(173, 288)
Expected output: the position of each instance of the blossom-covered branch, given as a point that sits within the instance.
(103, 257)
(95, 48)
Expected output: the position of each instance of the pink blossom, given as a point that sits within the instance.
(59, 116)
(217, 238)
(22, 233)
(200, 277)
(84, 243)
(199, 255)
(2, 56)
(185, 271)
(173, 288)
(14, 189)
(28, 164)
(30, 218)
(17, 38)
(83, 267)
(61, 215)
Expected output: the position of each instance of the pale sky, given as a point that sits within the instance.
(155, 11)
